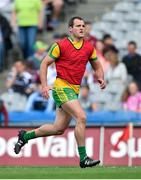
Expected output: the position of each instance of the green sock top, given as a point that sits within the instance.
(82, 152)
(29, 135)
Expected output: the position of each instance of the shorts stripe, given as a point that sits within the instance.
(62, 95)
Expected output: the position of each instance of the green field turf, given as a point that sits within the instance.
(70, 173)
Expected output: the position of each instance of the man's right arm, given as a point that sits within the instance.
(53, 54)
(43, 75)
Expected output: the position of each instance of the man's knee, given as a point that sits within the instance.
(81, 118)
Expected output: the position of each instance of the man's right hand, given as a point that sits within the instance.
(45, 91)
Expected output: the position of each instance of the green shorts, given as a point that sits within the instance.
(62, 95)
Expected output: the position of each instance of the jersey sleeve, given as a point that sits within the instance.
(54, 51)
(93, 56)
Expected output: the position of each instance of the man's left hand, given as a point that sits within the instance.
(102, 83)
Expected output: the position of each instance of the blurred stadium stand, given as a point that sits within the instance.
(121, 23)
(118, 18)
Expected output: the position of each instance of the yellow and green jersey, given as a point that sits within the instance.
(68, 63)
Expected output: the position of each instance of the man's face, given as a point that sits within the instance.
(108, 41)
(131, 48)
(78, 29)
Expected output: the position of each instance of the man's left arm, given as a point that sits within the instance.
(98, 73)
(98, 70)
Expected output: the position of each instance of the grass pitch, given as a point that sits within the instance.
(15, 172)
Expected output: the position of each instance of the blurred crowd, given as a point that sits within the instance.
(22, 21)
(28, 18)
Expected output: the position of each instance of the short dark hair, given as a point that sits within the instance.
(106, 36)
(71, 21)
(132, 43)
(110, 48)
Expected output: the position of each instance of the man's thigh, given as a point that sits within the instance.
(73, 108)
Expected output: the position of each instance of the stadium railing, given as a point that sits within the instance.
(99, 118)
